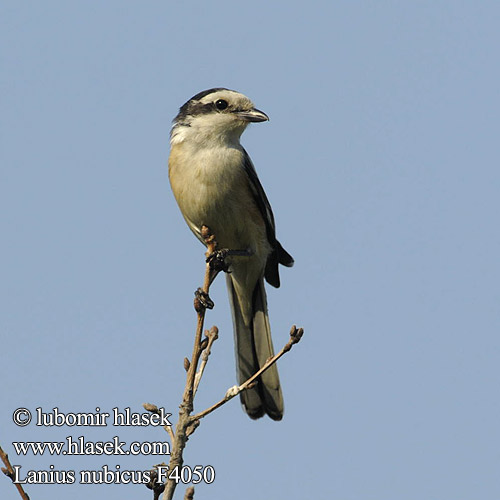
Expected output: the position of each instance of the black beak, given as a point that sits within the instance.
(253, 115)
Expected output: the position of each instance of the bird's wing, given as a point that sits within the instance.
(260, 198)
(279, 255)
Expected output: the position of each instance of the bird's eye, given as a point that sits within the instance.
(221, 104)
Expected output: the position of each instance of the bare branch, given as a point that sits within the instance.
(212, 335)
(154, 409)
(295, 336)
(185, 426)
(187, 423)
(170, 432)
(153, 484)
(189, 493)
(9, 472)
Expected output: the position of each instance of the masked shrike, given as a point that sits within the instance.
(216, 185)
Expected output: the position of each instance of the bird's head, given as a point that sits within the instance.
(215, 115)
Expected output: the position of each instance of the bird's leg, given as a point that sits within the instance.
(217, 260)
(240, 253)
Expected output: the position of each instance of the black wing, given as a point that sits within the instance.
(278, 255)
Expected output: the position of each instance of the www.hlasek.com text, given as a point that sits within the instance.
(80, 446)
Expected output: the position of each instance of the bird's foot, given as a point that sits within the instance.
(217, 260)
(202, 300)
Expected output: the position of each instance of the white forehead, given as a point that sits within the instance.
(231, 96)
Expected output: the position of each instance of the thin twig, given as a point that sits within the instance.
(170, 432)
(9, 472)
(153, 484)
(212, 335)
(184, 425)
(295, 336)
(154, 409)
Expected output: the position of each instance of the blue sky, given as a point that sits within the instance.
(381, 163)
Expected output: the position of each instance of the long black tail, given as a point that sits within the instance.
(253, 347)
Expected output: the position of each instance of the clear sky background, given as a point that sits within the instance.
(381, 163)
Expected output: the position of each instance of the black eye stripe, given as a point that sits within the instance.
(196, 108)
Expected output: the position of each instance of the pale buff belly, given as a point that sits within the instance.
(215, 192)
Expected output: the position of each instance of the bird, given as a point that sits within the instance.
(215, 184)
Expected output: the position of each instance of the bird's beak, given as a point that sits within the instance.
(253, 115)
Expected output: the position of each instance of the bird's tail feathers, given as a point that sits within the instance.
(284, 258)
(253, 347)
